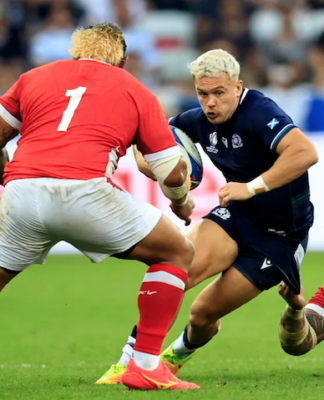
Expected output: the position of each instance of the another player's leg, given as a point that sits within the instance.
(315, 313)
(170, 254)
(301, 328)
(215, 252)
(215, 301)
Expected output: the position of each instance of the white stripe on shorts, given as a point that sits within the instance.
(164, 277)
(316, 308)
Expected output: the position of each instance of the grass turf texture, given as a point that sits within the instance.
(61, 325)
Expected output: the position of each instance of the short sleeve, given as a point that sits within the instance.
(187, 122)
(270, 123)
(154, 138)
(10, 105)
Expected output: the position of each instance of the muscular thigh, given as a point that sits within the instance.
(215, 251)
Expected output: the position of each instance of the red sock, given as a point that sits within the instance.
(158, 301)
(318, 297)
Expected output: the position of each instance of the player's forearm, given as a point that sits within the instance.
(290, 165)
(7, 132)
(142, 164)
(3, 160)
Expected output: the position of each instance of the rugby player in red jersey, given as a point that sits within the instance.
(76, 119)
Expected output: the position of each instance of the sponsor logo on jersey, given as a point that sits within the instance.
(213, 141)
(277, 232)
(273, 123)
(223, 213)
(236, 141)
(225, 141)
(266, 264)
(147, 292)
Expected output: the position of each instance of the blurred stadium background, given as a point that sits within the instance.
(279, 43)
(62, 325)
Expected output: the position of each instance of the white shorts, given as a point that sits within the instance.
(97, 218)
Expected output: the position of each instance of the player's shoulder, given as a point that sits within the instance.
(194, 113)
(255, 102)
(47, 69)
(193, 116)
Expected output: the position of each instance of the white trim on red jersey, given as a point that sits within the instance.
(112, 163)
(13, 121)
(171, 151)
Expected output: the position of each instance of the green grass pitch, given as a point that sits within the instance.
(62, 324)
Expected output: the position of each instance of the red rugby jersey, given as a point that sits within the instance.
(78, 117)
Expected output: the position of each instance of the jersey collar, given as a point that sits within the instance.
(92, 59)
(243, 95)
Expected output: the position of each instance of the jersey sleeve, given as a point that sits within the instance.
(270, 123)
(186, 121)
(154, 138)
(10, 105)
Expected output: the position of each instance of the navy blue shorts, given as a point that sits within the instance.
(265, 258)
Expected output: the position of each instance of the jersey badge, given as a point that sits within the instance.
(273, 123)
(225, 141)
(236, 141)
(223, 213)
(213, 141)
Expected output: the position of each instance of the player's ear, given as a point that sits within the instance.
(123, 62)
(239, 87)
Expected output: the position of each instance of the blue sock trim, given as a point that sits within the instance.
(134, 333)
(188, 344)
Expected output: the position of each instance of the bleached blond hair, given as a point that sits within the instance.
(102, 42)
(214, 63)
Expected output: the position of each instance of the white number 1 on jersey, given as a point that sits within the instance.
(75, 98)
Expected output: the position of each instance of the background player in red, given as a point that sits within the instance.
(301, 328)
(76, 119)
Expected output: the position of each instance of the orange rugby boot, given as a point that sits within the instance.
(160, 378)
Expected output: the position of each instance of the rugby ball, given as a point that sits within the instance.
(190, 154)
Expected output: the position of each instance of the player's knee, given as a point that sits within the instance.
(185, 254)
(195, 275)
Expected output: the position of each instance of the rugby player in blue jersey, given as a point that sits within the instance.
(257, 236)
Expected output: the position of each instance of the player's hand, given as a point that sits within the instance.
(184, 212)
(295, 301)
(233, 191)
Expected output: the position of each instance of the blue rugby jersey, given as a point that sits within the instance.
(243, 148)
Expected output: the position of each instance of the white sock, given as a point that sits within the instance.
(128, 351)
(180, 348)
(145, 360)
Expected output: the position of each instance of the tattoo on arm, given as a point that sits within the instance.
(8, 133)
(3, 161)
(317, 322)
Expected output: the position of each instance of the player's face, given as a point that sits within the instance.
(218, 97)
